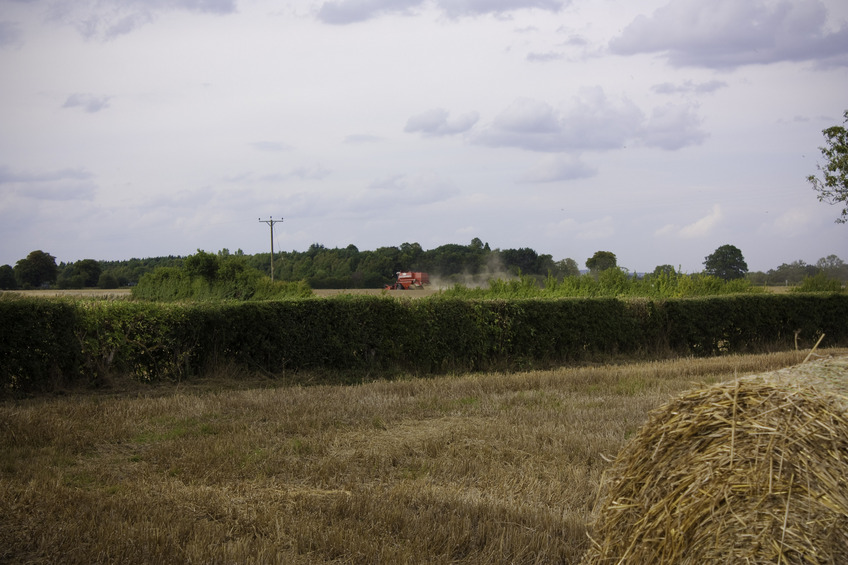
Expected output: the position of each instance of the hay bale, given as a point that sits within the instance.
(754, 470)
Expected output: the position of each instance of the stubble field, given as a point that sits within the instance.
(480, 468)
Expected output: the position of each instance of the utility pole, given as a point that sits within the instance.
(271, 221)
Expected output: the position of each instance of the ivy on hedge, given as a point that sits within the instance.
(45, 341)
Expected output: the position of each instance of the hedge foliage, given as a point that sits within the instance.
(44, 341)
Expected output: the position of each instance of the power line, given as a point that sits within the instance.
(271, 221)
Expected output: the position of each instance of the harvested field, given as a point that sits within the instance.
(411, 293)
(77, 293)
(752, 470)
(121, 292)
(472, 469)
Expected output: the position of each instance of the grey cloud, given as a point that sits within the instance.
(356, 139)
(342, 12)
(436, 122)
(108, 20)
(544, 57)
(351, 11)
(673, 127)
(310, 172)
(88, 102)
(554, 168)
(459, 8)
(730, 33)
(313, 172)
(593, 123)
(7, 176)
(576, 41)
(689, 87)
(10, 34)
(62, 185)
(272, 146)
(401, 190)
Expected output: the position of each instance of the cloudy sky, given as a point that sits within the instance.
(658, 130)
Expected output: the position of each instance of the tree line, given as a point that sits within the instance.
(348, 267)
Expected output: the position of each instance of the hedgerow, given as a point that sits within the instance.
(44, 342)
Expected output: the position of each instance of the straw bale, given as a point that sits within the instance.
(753, 470)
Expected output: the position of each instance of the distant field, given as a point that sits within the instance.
(417, 293)
(81, 292)
(468, 469)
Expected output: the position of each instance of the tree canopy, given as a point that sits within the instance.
(37, 269)
(601, 261)
(726, 263)
(833, 186)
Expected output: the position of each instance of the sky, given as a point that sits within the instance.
(657, 130)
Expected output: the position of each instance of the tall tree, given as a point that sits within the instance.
(601, 261)
(726, 263)
(7, 278)
(833, 186)
(567, 268)
(83, 273)
(38, 268)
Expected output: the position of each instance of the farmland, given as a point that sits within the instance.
(232, 468)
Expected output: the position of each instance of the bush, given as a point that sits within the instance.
(819, 282)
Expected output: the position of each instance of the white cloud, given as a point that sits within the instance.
(601, 228)
(791, 223)
(700, 228)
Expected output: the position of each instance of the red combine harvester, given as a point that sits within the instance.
(408, 280)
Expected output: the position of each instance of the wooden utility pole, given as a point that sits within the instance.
(271, 221)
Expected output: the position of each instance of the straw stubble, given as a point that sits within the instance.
(752, 470)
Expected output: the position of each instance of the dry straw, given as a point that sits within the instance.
(753, 470)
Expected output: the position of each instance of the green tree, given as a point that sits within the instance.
(791, 273)
(566, 268)
(107, 280)
(7, 278)
(523, 260)
(666, 270)
(202, 264)
(601, 261)
(833, 267)
(726, 263)
(37, 269)
(83, 273)
(833, 186)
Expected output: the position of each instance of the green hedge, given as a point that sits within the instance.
(45, 341)
(38, 344)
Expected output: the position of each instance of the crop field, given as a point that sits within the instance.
(412, 293)
(473, 469)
